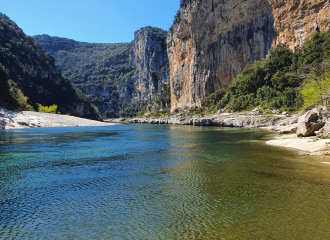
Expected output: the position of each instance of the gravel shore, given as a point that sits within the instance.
(282, 124)
(57, 120)
(27, 119)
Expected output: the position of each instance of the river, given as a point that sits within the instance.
(158, 182)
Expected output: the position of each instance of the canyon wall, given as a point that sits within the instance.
(211, 41)
(114, 76)
(149, 57)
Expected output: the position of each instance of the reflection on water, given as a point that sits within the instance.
(158, 182)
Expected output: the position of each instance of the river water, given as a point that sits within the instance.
(158, 182)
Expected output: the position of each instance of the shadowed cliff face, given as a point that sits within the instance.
(149, 57)
(213, 40)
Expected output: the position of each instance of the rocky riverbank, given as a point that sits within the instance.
(16, 120)
(306, 132)
(280, 122)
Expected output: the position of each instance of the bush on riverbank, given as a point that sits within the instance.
(47, 109)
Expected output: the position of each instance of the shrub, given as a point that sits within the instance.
(29, 108)
(213, 99)
(47, 109)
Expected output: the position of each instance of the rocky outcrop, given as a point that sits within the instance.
(212, 41)
(243, 120)
(288, 129)
(296, 21)
(309, 123)
(149, 57)
(325, 131)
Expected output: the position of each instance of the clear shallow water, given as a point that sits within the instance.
(158, 182)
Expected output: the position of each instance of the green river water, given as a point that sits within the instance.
(158, 182)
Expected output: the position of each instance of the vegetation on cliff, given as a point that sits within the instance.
(101, 71)
(285, 80)
(33, 74)
(160, 105)
(11, 97)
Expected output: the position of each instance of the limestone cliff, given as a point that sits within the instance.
(116, 77)
(149, 57)
(211, 41)
(296, 21)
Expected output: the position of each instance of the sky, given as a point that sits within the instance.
(94, 21)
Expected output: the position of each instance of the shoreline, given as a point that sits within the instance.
(310, 146)
(27, 119)
(285, 125)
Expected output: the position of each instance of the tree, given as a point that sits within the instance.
(316, 90)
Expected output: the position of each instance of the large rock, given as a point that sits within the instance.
(325, 131)
(288, 129)
(309, 123)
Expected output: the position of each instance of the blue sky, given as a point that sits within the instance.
(99, 21)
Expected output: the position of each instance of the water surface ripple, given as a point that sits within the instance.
(158, 182)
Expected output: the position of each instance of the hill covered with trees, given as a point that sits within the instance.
(29, 76)
(118, 78)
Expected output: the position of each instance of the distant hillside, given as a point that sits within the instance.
(33, 71)
(118, 78)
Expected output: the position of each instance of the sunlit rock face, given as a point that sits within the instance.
(149, 56)
(213, 40)
(296, 21)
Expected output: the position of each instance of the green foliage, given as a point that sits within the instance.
(177, 18)
(160, 104)
(18, 96)
(47, 109)
(275, 82)
(11, 97)
(213, 101)
(314, 50)
(29, 108)
(130, 109)
(316, 90)
(34, 75)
